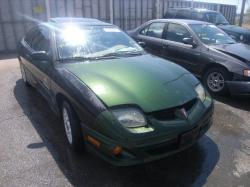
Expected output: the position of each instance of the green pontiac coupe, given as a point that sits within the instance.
(116, 100)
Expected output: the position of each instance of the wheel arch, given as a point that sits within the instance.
(59, 101)
(214, 65)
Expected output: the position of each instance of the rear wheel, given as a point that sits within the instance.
(215, 80)
(72, 127)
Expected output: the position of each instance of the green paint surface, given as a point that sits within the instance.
(147, 81)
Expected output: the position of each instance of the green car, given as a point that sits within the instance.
(116, 100)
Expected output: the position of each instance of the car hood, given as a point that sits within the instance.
(237, 50)
(146, 81)
(234, 28)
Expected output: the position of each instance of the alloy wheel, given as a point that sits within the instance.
(215, 81)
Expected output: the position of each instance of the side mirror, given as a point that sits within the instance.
(142, 44)
(189, 41)
(40, 55)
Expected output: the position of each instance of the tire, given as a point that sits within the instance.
(72, 127)
(24, 76)
(215, 80)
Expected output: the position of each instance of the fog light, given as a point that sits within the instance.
(246, 73)
(117, 150)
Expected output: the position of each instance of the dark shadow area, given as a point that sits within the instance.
(188, 168)
(240, 102)
(35, 145)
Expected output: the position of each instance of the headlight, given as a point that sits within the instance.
(246, 72)
(130, 117)
(241, 37)
(200, 92)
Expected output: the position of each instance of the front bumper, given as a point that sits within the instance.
(239, 87)
(133, 154)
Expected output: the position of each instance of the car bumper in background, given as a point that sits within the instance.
(239, 87)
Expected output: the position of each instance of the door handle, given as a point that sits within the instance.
(142, 43)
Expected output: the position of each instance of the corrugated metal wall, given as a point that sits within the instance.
(17, 16)
(80, 8)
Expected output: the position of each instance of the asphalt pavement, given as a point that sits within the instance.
(33, 149)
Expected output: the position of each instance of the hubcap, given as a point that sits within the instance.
(215, 81)
(23, 74)
(67, 125)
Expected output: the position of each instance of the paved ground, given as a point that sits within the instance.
(33, 151)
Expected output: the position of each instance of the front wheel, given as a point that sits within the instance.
(72, 127)
(215, 80)
(24, 76)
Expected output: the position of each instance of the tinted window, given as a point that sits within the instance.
(170, 13)
(177, 32)
(144, 31)
(40, 41)
(156, 30)
(183, 14)
(30, 35)
(198, 16)
(216, 18)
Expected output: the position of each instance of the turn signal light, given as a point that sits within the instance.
(246, 73)
(93, 141)
(117, 150)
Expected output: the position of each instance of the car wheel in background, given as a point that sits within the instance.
(215, 80)
(72, 127)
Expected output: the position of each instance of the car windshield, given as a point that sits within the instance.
(76, 41)
(210, 34)
(216, 18)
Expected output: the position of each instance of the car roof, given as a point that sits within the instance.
(181, 21)
(193, 9)
(84, 21)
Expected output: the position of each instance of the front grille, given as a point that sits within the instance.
(169, 114)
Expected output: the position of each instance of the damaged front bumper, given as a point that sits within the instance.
(156, 145)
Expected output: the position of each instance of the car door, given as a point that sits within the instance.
(175, 50)
(151, 35)
(24, 55)
(43, 69)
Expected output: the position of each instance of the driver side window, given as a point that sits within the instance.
(41, 41)
(144, 31)
(177, 33)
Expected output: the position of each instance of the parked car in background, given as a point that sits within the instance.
(122, 103)
(240, 34)
(201, 48)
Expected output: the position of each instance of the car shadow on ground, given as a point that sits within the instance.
(239, 102)
(8, 56)
(188, 168)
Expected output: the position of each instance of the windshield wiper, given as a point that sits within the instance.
(133, 52)
(222, 23)
(119, 54)
(77, 58)
(108, 55)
